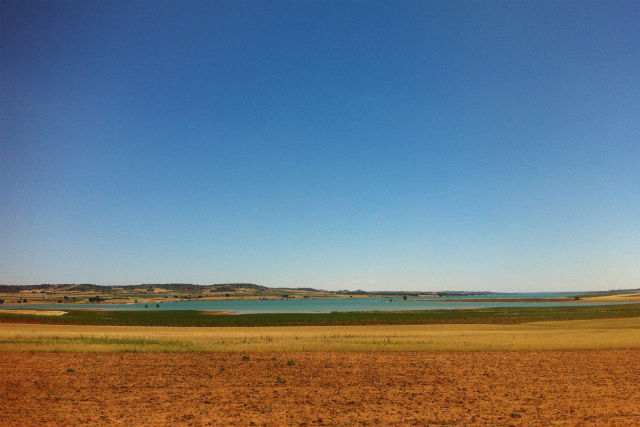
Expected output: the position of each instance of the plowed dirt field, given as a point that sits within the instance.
(523, 388)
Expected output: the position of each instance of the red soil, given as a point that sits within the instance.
(545, 388)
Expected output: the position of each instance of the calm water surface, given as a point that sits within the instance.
(328, 305)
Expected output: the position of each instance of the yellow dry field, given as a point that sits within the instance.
(553, 335)
(37, 312)
(631, 297)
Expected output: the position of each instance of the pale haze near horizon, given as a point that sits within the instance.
(376, 146)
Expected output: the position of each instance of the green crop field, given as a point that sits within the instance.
(502, 315)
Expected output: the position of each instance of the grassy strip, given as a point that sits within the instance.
(503, 315)
(557, 335)
(94, 343)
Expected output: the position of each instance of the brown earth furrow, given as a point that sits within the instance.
(525, 388)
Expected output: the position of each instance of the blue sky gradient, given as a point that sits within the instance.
(341, 145)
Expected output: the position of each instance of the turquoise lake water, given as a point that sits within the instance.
(328, 305)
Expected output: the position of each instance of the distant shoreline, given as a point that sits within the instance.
(560, 299)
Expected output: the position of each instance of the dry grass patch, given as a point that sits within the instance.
(36, 312)
(630, 297)
(556, 335)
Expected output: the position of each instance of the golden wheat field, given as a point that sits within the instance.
(552, 335)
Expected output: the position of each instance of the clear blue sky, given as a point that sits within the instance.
(372, 145)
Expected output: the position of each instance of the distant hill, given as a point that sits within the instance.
(89, 287)
(82, 287)
(234, 288)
